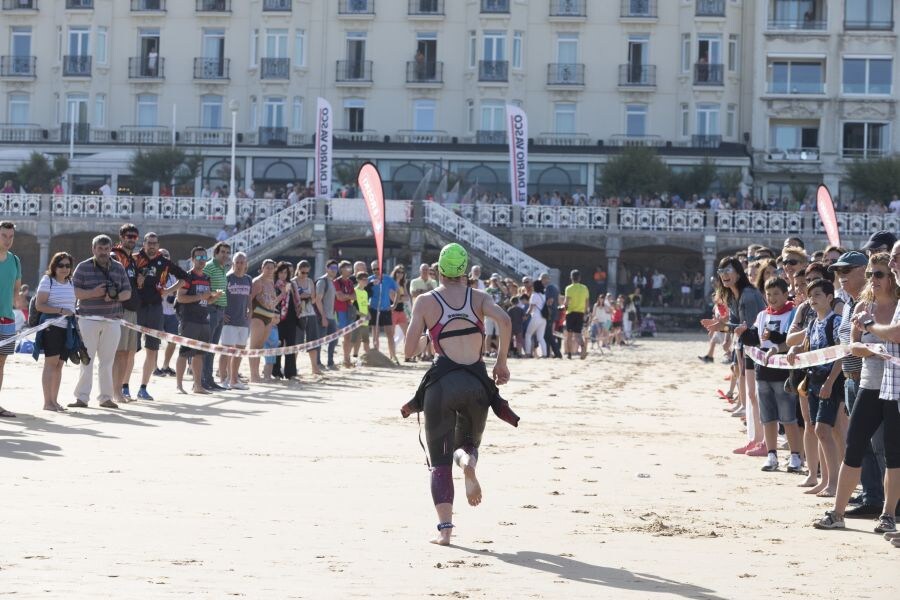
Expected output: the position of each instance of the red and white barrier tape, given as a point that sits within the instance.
(198, 345)
(813, 358)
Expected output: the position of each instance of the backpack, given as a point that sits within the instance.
(34, 317)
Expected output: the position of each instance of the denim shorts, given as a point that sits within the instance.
(826, 411)
(774, 403)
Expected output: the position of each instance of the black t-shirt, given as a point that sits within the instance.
(124, 258)
(156, 272)
(195, 312)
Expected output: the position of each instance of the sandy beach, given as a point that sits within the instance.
(619, 483)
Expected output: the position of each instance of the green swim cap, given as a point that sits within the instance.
(453, 260)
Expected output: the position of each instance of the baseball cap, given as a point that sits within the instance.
(850, 259)
(453, 260)
(880, 238)
(495, 276)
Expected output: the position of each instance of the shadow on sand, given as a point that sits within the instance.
(575, 570)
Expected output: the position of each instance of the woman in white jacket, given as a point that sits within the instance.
(537, 322)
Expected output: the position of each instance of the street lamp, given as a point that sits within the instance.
(231, 214)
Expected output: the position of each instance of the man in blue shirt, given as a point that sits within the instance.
(382, 294)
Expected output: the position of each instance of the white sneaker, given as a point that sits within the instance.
(225, 385)
(794, 464)
(771, 462)
(240, 386)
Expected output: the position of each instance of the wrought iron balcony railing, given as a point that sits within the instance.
(18, 66)
(211, 68)
(565, 74)
(493, 70)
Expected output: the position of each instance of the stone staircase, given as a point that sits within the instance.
(276, 234)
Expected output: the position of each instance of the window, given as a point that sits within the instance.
(276, 43)
(19, 109)
(297, 114)
(102, 46)
(100, 110)
(564, 117)
(494, 46)
(707, 119)
(20, 44)
(730, 118)
(147, 109)
(797, 77)
(274, 112)
(685, 120)
(300, 48)
(424, 115)
(733, 52)
(517, 50)
(567, 48)
(869, 14)
(211, 111)
(79, 41)
(709, 49)
(686, 53)
(254, 47)
(76, 108)
(470, 115)
(867, 75)
(636, 120)
(355, 112)
(790, 136)
(473, 49)
(493, 116)
(864, 140)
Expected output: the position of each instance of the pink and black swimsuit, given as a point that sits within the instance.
(437, 331)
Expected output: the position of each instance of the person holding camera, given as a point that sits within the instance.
(192, 305)
(101, 285)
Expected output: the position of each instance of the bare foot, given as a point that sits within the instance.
(51, 407)
(816, 489)
(255, 380)
(809, 482)
(59, 407)
(443, 538)
(200, 390)
(827, 493)
(473, 488)
(181, 390)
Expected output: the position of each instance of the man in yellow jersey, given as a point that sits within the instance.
(577, 306)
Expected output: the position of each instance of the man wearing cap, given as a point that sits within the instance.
(880, 241)
(456, 391)
(849, 270)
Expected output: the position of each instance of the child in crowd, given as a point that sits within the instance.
(824, 385)
(776, 405)
(361, 335)
(271, 342)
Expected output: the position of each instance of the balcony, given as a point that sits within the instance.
(425, 73)
(354, 71)
(273, 136)
(214, 6)
(82, 132)
(638, 9)
(211, 68)
(493, 71)
(568, 8)
(800, 25)
(490, 137)
(710, 8)
(274, 68)
(706, 141)
(20, 5)
(637, 75)
(136, 134)
(627, 140)
(793, 155)
(495, 7)
(148, 5)
(277, 5)
(357, 135)
(78, 65)
(709, 74)
(79, 4)
(207, 136)
(354, 8)
(410, 136)
(563, 139)
(22, 133)
(565, 74)
(146, 67)
(18, 66)
(426, 8)
(869, 25)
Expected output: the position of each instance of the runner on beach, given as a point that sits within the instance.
(456, 392)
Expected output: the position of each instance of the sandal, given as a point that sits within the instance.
(829, 522)
(5, 414)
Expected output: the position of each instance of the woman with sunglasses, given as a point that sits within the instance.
(744, 302)
(287, 322)
(793, 262)
(877, 305)
(55, 296)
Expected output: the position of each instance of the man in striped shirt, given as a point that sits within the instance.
(217, 271)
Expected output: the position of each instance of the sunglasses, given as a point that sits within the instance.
(753, 258)
(131, 236)
(304, 272)
(725, 270)
(875, 274)
(791, 261)
(202, 258)
(64, 266)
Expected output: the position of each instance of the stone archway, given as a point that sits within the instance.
(670, 260)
